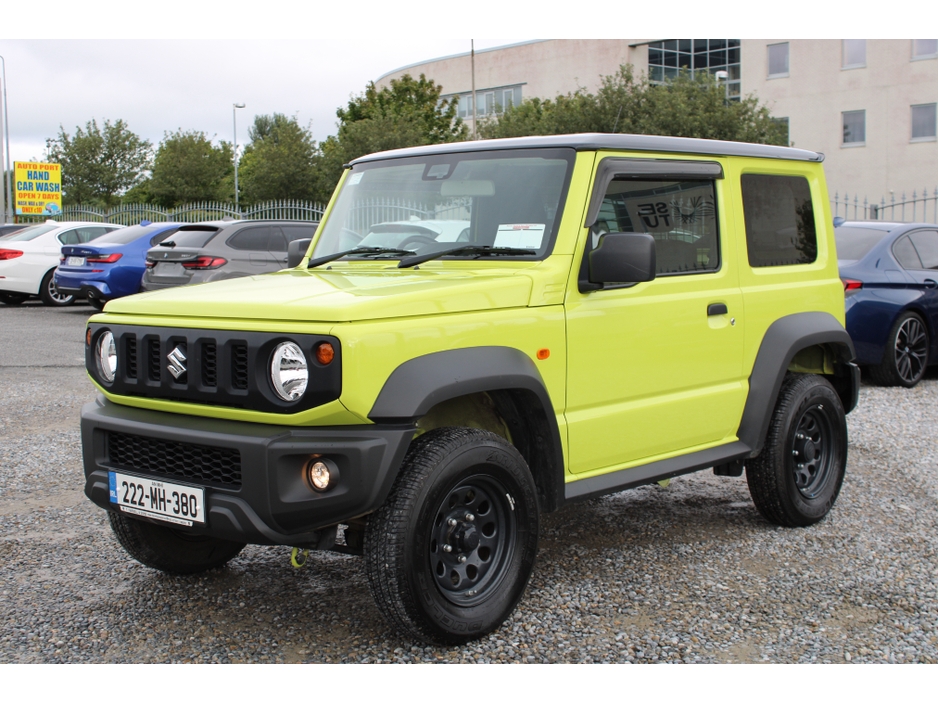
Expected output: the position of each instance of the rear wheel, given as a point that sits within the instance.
(449, 553)
(796, 478)
(50, 294)
(170, 550)
(96, 302)
(906, 354)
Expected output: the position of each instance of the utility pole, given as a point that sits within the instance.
(472, 55)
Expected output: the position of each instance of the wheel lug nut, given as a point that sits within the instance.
(461, 558)
(447, 548)
(470, 517)
(451, 522)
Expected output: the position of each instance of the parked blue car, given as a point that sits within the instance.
(890, 275)
(112, 265)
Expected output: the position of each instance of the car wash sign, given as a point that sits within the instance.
(38, 188)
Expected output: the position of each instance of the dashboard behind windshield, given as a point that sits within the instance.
(510, 198)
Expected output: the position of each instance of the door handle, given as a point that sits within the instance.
(717, 309)
(930, 283)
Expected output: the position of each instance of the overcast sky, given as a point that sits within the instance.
(160, 85)
(189, 60)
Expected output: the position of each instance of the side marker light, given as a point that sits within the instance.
(543, 353)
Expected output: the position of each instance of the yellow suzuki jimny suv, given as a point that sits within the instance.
(478, 333)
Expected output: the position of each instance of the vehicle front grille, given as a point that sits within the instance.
(215, 367)
(196, 463)
(209, 364)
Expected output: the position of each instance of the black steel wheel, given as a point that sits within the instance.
(906, 354)
(449, 553)
(797, 477)
(50, 294)
(170, 550)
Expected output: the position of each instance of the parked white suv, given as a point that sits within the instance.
(28, 259)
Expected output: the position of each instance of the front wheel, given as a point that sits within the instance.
(796, 478)
(170, 550)
(906, 354)
(50, 294)
(449, 553)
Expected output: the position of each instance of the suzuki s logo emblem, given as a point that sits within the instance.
(177, 359)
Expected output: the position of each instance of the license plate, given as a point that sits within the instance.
(75, 261)
(170, 269)
(142, 496)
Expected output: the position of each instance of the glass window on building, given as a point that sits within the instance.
(924, 122)
(854, 53)
(854, 127)
(924, 48)
(778, 60)
(666, 59)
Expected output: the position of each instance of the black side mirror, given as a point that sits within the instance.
(296, 250)
(623, 258)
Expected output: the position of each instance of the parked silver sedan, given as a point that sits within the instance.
(214, 251)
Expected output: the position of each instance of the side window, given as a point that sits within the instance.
(252, 238)
(680, 215)
(86, 234)
(298, 232)
(277, 243)
(779, 220)
(926, 244)
(905, 253)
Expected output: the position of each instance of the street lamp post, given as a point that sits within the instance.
(6, 200)
(234, 119)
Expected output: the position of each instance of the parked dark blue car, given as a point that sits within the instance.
(890, 275)
(112, 265)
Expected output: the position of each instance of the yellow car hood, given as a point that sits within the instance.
(340, 295)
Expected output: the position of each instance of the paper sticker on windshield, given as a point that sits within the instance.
(525, 235)
(355, 178)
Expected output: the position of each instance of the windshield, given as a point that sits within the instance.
(31, 233)
(510, 198)
(125, 235)
(191, 238)
(855, 242)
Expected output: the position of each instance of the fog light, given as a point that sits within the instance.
(322, 475)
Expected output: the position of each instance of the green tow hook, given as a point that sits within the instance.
(299, 557)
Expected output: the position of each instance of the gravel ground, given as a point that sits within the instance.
(688, 573)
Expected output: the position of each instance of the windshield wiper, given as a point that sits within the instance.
(482, 250)
(357, 250)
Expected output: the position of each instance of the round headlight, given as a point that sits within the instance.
(289, 372)
(106, 356)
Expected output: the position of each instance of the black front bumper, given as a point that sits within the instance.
(271, 503)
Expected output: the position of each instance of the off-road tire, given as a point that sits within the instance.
(796, 478)
(424, 590)
(906, 355)
(50, 294)
(170, 550)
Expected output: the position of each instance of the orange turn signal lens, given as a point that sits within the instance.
(543, 353)
(325, 353)
(88, 337)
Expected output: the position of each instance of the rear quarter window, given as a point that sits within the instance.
(779, 219)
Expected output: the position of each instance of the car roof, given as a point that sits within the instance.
(595, 141)
(886, 225)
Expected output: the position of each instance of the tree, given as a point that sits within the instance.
(188, 168)
(99, 165)
(408, 114)
(687, 106)
(278, 161)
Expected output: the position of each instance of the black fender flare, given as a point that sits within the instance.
(782, 341)
(420, 383)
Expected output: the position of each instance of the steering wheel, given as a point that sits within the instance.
(416, 239)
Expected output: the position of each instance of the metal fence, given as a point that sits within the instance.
(918, 208)
(132, 214)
